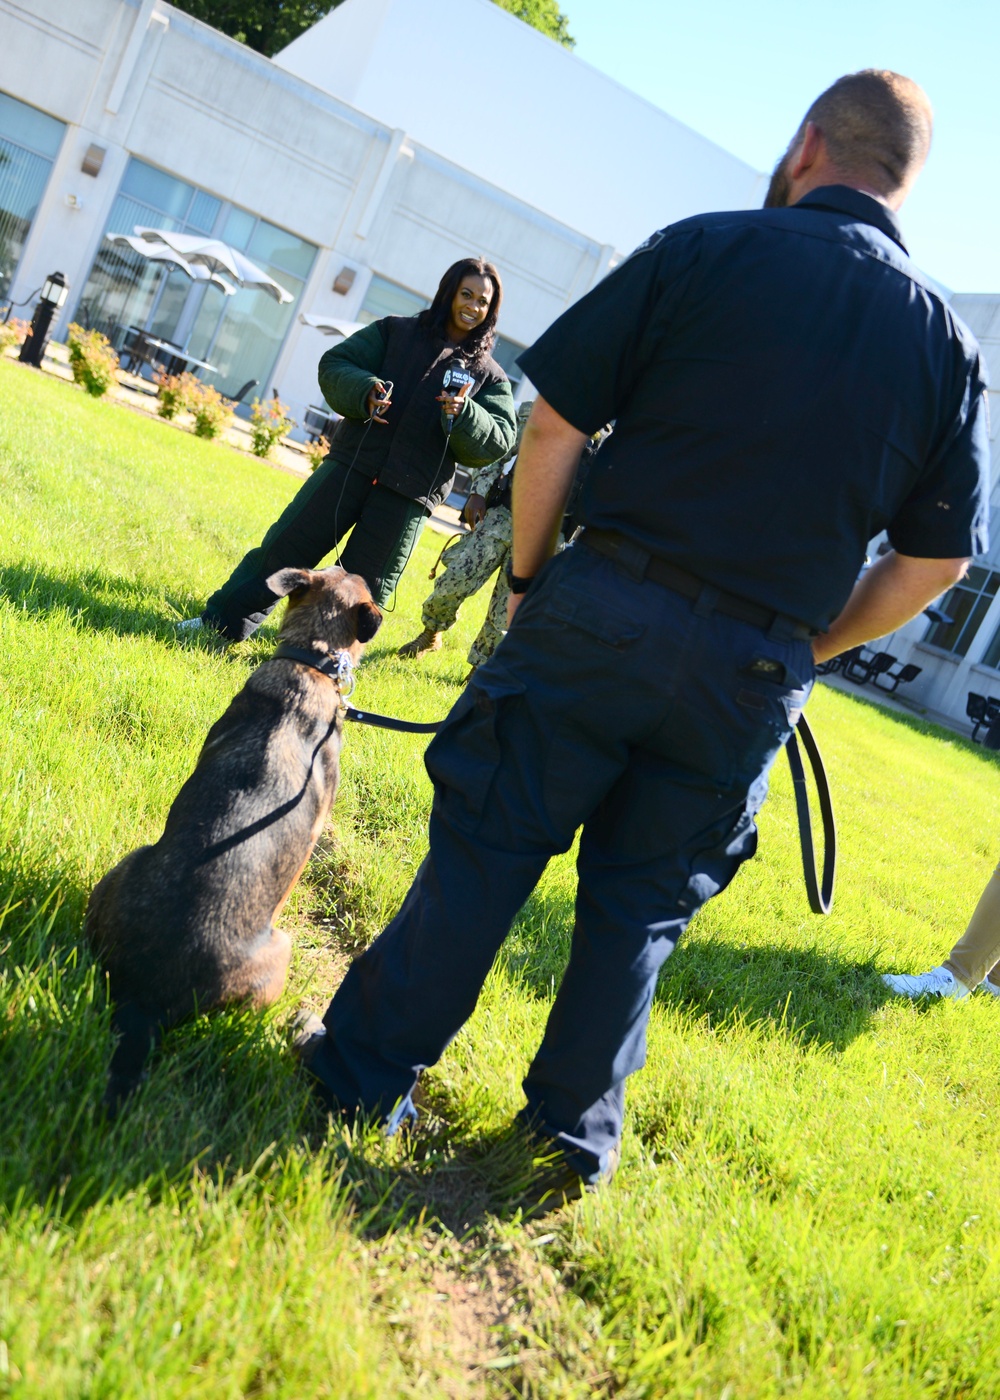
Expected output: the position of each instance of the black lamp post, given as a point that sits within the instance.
(53, 296)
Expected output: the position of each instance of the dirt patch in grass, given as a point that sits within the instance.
(494, 1309)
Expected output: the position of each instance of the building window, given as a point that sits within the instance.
(29, 143)
(385, 298)
(991, 657)
(241, 335)
(967, 604)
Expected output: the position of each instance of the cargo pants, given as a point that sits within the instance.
(615, 704)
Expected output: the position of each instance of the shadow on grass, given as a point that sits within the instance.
(92, 597)
(223, 1097)
(813, 997)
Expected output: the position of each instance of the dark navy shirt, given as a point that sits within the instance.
(786, 384)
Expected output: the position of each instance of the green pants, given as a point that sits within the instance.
(333, 500)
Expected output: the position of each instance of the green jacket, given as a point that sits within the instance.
(412, 453)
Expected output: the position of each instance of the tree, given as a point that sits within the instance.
(543, 15)
(268, 25)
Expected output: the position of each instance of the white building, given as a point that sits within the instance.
(342, 169)
(964, 656)
(339, 168)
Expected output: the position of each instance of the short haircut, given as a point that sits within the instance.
(877, 125)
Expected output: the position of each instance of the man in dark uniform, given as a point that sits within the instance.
(786, 384)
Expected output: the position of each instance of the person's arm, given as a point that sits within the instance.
(894, 589)
(546, 465)
(349, 372)
(484, 427)
(483, 481)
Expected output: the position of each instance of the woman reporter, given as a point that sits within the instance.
(394, 454)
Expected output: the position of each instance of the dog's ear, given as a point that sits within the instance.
(290, 582)
(367, 621)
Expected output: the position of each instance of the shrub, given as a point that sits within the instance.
(13, 333)
(317, 451)
(211, 411)
(173, 392)
(269, 421)
(92, 360)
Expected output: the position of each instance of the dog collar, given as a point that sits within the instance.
(337, 665)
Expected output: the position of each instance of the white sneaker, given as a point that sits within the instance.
(939, 982)
(987, 986)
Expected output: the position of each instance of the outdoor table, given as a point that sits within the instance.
(177, 360)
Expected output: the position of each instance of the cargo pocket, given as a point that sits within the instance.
(715, 865)
(462, 760)
(593, 614)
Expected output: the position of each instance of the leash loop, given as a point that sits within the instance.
(820, 892)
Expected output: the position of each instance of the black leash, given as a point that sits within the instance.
(339, 668)
(402, 726)
(820, 893)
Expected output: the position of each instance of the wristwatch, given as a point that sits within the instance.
(517, 583)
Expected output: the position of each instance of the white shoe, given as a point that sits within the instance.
(987, 986)
(939, 982)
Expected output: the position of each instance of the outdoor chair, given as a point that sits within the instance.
(862, 669)
(138, 351)
(242, 393)
(319, 422)
(827, 668)
(905, 674)
(856, 665)
(976, 708)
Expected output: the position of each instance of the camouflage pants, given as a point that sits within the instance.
(469, 564)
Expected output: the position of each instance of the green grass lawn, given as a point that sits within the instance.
(808, 1203)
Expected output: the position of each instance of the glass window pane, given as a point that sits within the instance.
(23, 177)
(385, 298)
(976, 615)
(957, 604)
(975, 578)
(269, 244)
(154, 187)
(238, 228)
(991, 585)
(204, 211)
(27, 126)
(991, 656)
(28, 141)
(248, 337)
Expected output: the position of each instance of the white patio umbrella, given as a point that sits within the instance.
(218, 257)
(330, 325)
(159, 252)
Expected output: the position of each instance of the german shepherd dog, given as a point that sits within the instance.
(187, 923)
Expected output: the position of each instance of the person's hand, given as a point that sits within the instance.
(378, 402)
(513, 603)
(452, 404)
(474, 511)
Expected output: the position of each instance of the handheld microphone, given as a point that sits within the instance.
(457, 382)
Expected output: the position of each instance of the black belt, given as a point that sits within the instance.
(642, 565)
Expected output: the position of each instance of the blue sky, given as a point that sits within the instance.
(743, 72)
